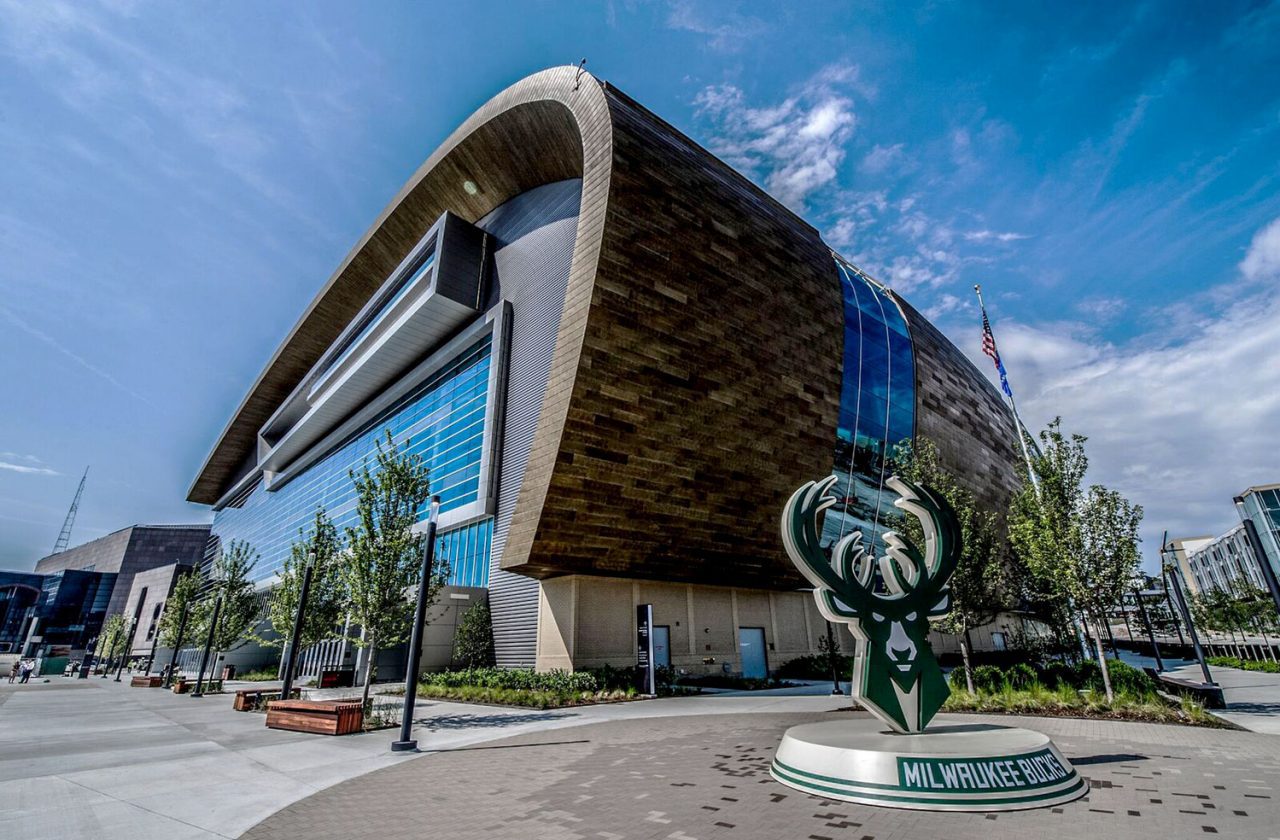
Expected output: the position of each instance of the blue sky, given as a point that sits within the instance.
(179, 179)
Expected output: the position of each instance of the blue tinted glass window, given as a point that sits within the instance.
(877, 406)
(443, 421)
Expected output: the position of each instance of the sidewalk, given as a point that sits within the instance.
(1253, 697)
(98, 759)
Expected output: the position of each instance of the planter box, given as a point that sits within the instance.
(146, 682)
(181, 686)
(248, 699)
(322, 717)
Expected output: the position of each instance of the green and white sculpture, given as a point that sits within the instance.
(895, 674)
(886, 602)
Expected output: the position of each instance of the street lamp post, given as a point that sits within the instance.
(406, 744)
(1171, 577)
(1146, 621)
(177, 644)
(204, 659)
(128, 646)
(287, 689)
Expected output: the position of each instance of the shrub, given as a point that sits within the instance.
(1057, 674)
(814, 667)
(986, 678)
(1022, 676)
(473, 640)
(1125, 677)
(1245, 664)
(519, 679)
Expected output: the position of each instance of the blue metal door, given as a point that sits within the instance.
(751, 649)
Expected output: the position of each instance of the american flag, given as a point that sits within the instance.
(989, 347)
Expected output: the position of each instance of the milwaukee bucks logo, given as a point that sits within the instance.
(886, 602)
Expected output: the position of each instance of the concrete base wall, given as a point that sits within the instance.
(588, 621)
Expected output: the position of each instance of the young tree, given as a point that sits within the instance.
(383, 563)
(110, 637)
(980, 586)
(325, 600)
(184, 597)
(473, 640)
(1079, 545)
(241, 606)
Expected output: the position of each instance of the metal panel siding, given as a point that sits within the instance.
(533, 237)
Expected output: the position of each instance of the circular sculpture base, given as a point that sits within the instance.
(951, 767)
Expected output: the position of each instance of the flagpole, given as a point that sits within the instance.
(1018, 427)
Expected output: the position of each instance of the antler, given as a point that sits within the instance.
(848, 575)
(906, 572)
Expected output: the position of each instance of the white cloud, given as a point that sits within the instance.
(1262, 261)
(994, 236)
(26, 464)
(726, 31)
(1179, 424)
(795, 147)
(882, 158)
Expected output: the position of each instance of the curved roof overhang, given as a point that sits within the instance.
(547, 127)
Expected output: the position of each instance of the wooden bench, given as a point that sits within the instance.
(323, 717)
(248, 699)
(146, 682)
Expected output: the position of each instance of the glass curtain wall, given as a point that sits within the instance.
(443, 420)
(877, 408)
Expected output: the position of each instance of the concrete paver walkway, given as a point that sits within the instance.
(706, 778)
(1253, 697)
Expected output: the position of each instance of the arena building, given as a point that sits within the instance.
(618, 357)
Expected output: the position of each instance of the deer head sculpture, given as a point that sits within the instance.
(895, 675)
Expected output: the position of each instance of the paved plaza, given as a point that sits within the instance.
(97, 759)
(707, 777)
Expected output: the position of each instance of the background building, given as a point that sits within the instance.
(1218, 563)
(618, 356)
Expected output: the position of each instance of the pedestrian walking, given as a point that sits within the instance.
(13, 671)
(28, 665)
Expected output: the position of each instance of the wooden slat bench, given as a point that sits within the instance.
(323, 717)
(248, 699)
(145, 682)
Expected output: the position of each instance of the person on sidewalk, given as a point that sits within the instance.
(13, 672)
(28, 665)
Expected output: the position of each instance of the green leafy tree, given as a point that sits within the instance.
(1080, 546)
(184, 597)
(473, 640)
(110, 637)
(981, 585)
(326, 599)
(383, 562)
(241, 606)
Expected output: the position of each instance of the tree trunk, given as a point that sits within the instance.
(370, 668)
(965, 645)
(1112, 638)
(1102, 664)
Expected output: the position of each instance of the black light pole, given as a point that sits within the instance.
(406, 744)
(151, 657)
(128, 646)
(832, 655)
(1180, 597)
(177, 644)
(1259, 553)
(287, 688)
(1146, 620)
(204, 659)
(86, 664)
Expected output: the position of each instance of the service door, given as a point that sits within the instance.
(755, 663)
(661, 646)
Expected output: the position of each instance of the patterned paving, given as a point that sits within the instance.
(694, 778)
